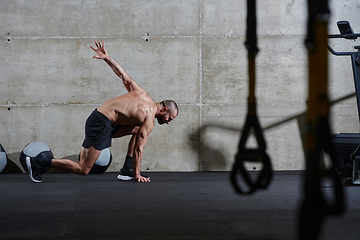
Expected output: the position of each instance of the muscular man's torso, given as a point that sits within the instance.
(129, 109)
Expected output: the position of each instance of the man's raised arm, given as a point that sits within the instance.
(128, 82)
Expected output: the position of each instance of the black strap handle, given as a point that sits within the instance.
(251, 155)
(263, 178)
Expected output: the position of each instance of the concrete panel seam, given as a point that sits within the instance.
(201, 157)
(95, 37)
(150, 37)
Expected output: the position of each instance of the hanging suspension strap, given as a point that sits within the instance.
(315, 206)
(258, 155)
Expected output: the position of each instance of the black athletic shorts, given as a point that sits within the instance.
(98, 131)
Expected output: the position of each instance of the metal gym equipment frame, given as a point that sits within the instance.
(347, 145)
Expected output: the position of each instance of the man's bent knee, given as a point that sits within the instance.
(80, 170)
(84, 170)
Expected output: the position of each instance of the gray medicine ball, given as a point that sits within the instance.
(35, 149)
(3, 158)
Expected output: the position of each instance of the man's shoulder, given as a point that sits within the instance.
(138, 91)
(137, 94)
(141, 95)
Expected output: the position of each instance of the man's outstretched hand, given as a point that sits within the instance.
(142, 179)
(100, 50)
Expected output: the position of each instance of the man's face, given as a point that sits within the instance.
(166, 117)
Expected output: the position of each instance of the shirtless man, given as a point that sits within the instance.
(130, 114)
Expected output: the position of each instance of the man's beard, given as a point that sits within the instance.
(161, 121)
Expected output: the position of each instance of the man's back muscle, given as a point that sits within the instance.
(129, 109)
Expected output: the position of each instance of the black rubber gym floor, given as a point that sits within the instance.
(191, 205)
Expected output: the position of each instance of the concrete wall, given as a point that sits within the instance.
(50, 83)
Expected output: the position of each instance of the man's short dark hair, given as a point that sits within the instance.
(171, 105)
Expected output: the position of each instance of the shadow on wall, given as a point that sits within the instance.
(11, 166)
(215, 157)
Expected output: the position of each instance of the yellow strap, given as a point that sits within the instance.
(318, 104)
